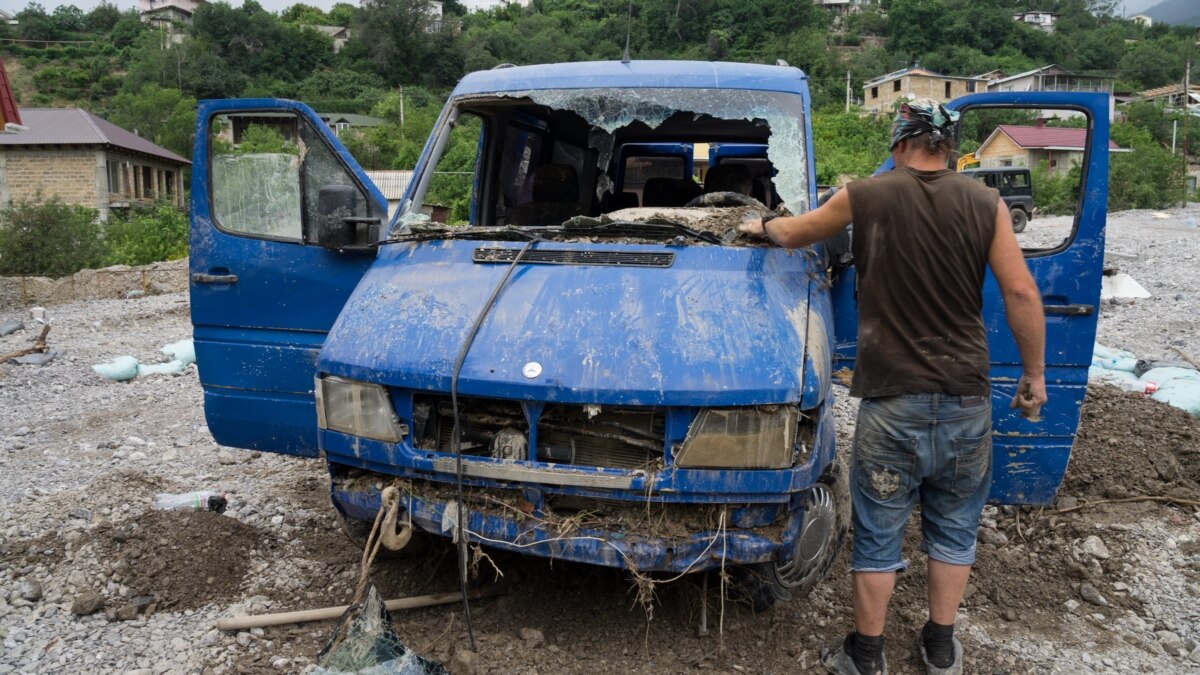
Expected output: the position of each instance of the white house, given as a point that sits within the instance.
(1043, 21)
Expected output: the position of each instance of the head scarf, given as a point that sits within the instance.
(923, 116)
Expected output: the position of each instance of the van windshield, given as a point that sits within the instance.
(546, 157)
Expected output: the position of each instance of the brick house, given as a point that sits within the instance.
(882, 93)
(82, 159)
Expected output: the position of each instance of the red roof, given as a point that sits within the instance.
(1049, 137)
(8, 107)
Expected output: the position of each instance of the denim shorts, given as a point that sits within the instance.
(932, 447)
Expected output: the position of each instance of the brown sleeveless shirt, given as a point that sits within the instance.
(921, 242)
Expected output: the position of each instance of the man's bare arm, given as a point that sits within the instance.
(1023, 308)
(807, 228)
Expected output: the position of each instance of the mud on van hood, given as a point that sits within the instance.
(707, 326)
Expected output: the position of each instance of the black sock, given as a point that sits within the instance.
(866, 651)
(939, 643)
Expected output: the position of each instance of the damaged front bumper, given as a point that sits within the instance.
(591, 537)
(663, 519)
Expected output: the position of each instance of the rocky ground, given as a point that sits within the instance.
(93, 580)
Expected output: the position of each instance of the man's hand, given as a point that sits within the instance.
(1030, 397)
(753, 226)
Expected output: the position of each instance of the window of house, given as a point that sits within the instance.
(970, 87)
(947, 90)
(896, 85)
(147, 182)
(114, 177)
(169, 182)
(874, 92)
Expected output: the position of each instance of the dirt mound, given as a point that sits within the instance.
(1129, 445)
(184, 559)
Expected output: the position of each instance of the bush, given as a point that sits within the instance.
(1055, 193)
(48, 239)
(144, 236)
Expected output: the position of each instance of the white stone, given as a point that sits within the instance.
(1094, 546)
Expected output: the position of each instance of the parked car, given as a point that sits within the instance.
(1016, 189)
(573, 375)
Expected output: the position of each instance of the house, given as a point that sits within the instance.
(1043, 21)
(1056, 78)
(1172, 95)
(340, 122)
(882, 93)
(843, 6)
(167, 14)
(992, 75)
(74, 155)
(392, 184)
(1142, 20)
(1012, 145)
(339, 34)
(1052, 78)
(8, 18)
(485, 5)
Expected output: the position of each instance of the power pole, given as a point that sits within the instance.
(847, 91)
(1187, 113)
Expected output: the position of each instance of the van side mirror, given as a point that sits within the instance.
(337, 228)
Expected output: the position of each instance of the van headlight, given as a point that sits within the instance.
(742, 438)
(358, 409)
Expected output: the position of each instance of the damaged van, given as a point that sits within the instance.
(594, 366)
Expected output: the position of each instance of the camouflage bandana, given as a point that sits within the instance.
(923, 116)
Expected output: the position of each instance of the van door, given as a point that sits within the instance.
(282, 222)
(1065, 255)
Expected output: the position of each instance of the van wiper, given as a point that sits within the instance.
(649, 228)
(431, 233)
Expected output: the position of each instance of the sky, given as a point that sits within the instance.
(1131, 6)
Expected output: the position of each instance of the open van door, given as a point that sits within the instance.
(283, 222)
(1064, 254)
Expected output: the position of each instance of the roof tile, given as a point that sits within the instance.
(75, 126)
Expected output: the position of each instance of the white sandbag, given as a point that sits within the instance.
(120, 369)
(1165, 376)
(1097, 374)
(1183, 394)
(1121, 286)
(169, 368)
(183, 350)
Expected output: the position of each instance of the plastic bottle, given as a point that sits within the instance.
(198, 501)
(1138, 387)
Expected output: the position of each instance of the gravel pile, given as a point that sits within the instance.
(93, 580)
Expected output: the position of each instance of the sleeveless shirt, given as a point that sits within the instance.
(921, 243)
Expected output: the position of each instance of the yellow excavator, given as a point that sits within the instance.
(966, 161)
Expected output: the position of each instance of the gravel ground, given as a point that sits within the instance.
(1109, 588)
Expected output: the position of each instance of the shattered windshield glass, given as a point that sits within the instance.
(585, 155)
(610, 110)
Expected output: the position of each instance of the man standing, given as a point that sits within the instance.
(923, 239)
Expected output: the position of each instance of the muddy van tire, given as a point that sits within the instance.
(1019, 219)
(357, 532)
(827, 521)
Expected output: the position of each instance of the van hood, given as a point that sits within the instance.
(718, 326)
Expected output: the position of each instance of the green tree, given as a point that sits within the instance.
(48, 238)
(163, 115)
(102, 18)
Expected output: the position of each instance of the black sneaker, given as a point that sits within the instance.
(838, 660)
(954, 668)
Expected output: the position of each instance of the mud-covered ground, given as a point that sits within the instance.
(1108, 587)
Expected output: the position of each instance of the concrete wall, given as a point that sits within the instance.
(117, 281)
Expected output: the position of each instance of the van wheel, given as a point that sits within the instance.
(826, 522)
(1019, 219)
(357, 532)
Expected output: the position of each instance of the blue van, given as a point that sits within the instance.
(571, 374)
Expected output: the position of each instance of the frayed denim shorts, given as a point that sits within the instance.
(932, 447)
